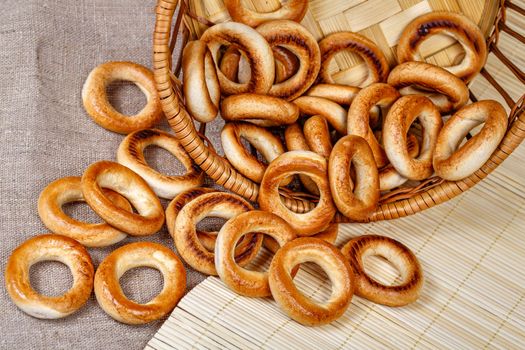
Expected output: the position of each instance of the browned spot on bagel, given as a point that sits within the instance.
(362, 49)
(429, 28)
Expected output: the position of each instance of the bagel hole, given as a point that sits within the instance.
(348, 68)
(141, 284)
(261, 263)
(80, 211)
(126, 97)
(440, 48)
(50, 278)
(163, 161)
(381, 270)
(309, 191)
(313, 282)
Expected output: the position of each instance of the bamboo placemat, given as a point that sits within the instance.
(471, 250)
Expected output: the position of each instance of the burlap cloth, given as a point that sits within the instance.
(47, 48)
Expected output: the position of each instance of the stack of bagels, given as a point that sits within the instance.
(339, 145)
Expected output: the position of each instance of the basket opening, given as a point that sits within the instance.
(133, 286)
(163, 161)
(126, 97)
(50, 278)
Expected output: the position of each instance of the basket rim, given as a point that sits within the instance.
(435, 191)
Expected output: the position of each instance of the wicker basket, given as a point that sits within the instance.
(382, 21)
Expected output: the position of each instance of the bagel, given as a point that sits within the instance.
(460, 27)
(451, 92)
(49, 247)
(295, 304)
(242, 281)
(389, 178)
(96, 103)
(67, 190)
(331, 111)
(298, 162)
(261, 110)
(293, 10)
(229, 64)
(357, 249)
(256, 49)
(216, 204)
(286, 64)
(131, 154)
(453, 161)
(356, 43)
(358, 120)
(340, 94)
(112, 299)
(300, 42)
(355, 201)
(296, 141)
(202, 92)
(268, 145)
(317, 135)
(124, 181)
(397, 122)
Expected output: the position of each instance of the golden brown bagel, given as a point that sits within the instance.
(298, 162)
(329, 235)
(451, 92)
(356, 200)
(356, 251)
(113, 300)
(340, 94)
(242, 281)
(206, 238)
(202, 92)
(216, 204)
(131, 154)
(102, 112)
(295, 304)
(358, 120)
(389, 178)
(268, 145)
(453, 161)
(179, 202)
(124, 181)
(49, 247)
(331, 111)
(293, 10)
(229, 64)
(286, 64)
(296, 141)
(358, 44)
(452, 24)
(299, 41)
(68, 190)
(317, 135)
(261, 110)
(397, 122)
(256, 49)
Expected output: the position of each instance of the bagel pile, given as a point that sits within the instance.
(269, 79)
